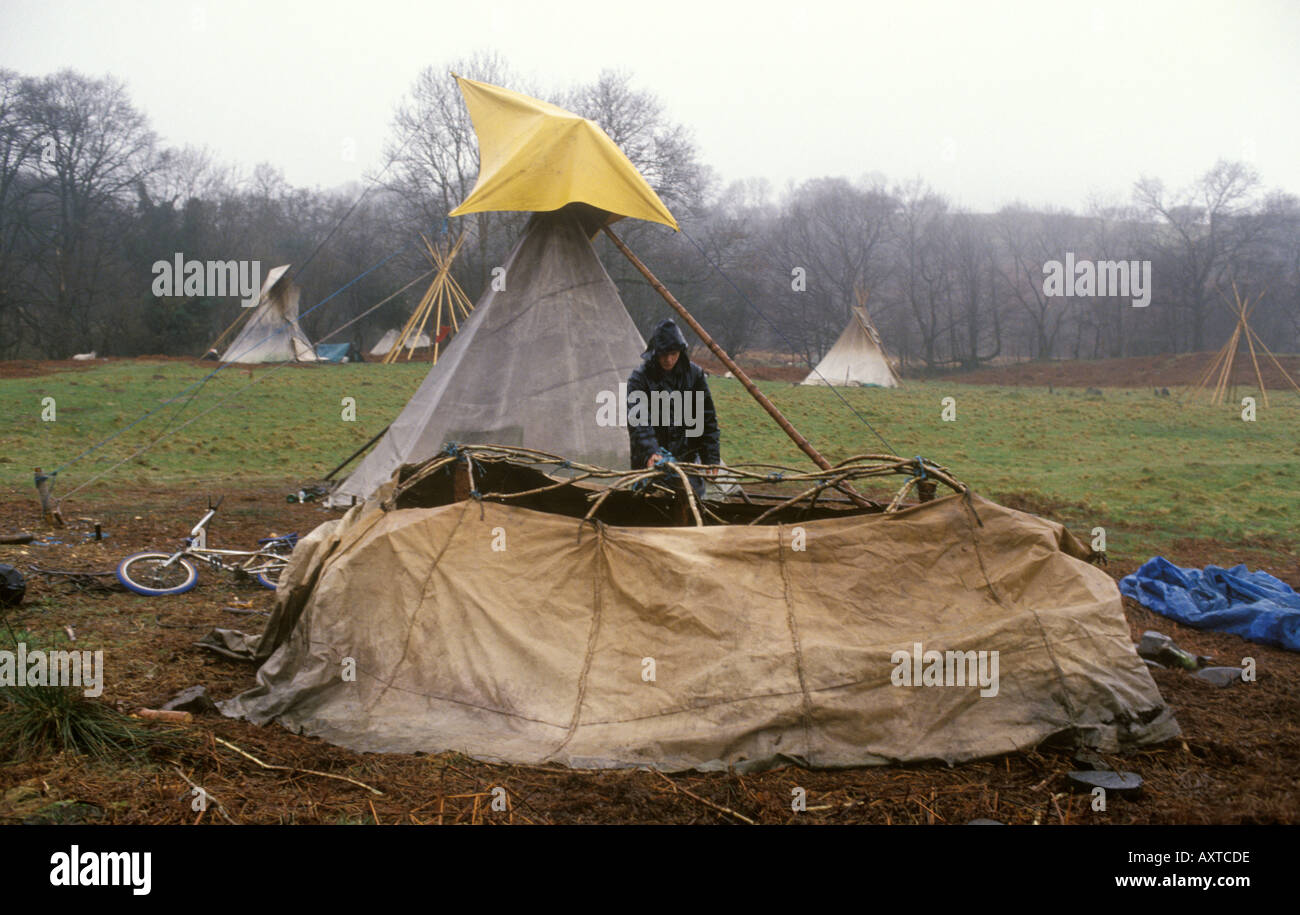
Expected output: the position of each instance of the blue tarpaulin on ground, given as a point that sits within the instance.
(1253, 605)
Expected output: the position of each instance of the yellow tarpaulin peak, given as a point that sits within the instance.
(535, 156)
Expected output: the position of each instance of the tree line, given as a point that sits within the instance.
(90, 200)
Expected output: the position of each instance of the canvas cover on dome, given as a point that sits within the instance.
(759, 653)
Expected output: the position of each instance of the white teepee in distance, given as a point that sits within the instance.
(389, 340)
(271, 333)
(857, 358)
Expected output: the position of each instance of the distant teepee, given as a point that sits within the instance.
(1222, 364)
(388, 342)
(271, 333)
(857, 358)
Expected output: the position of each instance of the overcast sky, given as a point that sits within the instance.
(989, 102)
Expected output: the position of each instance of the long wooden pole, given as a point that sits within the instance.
(354, 454)
(1259, 376)
(804, 445)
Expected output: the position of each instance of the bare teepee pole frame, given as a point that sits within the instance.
(443, 294)
(1222, 365)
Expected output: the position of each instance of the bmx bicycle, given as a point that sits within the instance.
(154, 573)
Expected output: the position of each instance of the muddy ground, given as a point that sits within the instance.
(1237, 762)
(1169, 371)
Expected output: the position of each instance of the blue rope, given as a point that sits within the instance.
(920, 462)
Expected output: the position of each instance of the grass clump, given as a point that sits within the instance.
(41, 721)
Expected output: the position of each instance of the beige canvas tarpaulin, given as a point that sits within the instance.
(761, 653)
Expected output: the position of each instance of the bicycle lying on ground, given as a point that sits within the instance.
(154, 573)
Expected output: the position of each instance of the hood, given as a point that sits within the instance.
(667, 336)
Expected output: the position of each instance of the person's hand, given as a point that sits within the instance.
(654, 459)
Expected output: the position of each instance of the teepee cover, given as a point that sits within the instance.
(856, 358)
(528, 365)
(272, 333)
(389, 339)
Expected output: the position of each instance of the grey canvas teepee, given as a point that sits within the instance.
(527, 366)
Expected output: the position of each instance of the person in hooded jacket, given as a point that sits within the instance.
(691, 437)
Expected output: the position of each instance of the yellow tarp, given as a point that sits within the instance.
(536, 157)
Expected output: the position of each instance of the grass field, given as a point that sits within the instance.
(1151, 470)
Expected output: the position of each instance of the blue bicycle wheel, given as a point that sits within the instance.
(150, 575)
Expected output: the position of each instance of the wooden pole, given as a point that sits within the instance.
(354, 454)
(1209, 373)
(1268, 352)
(1221, 388)
(804, 445)
(1259, 376)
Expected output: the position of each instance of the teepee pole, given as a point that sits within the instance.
(444, 295)
(1230, 353)
(1259, 376)
(804, 445)
(1209, 372)
(243, 314)
(1268, 352)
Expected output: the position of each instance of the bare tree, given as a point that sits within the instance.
(434, 158)
(975, 304)
(1028, 241)
(663, 151)
(96, 148)
(19, 147)
(922, 284)
(838, 234)
(1199, 232)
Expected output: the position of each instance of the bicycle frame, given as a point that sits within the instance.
(196, 547)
